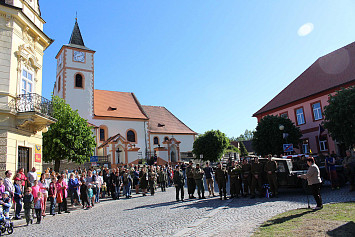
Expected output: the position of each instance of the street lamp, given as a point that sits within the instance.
(281, 127)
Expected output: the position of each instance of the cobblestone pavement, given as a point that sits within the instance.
(160, 215)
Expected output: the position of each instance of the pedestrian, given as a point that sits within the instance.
(198, 176)
(32, 176)
(331, 171)
(84, 194)
(99, 182)
(314, 181)
(104, 190)
(52, 194)
(191, 185)
(2, 187)
(9, 186)
(126, 182)
(209, 179)
(221, 176)
(28, 205)
(18, 199)
(256, 181)
(6, 203)
(22, 177)
(162, 179)
(235, 172)
(349, 166)
(62, 195)
(39, 206)
(270, 169)
(143, 180)
(90, 193)
(136, 179)
(179, 182)
(73, 186)
(152, 177)
(246, 175)
(44, 185)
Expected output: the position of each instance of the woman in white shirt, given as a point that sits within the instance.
(43, 186)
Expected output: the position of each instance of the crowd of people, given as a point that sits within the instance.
(85, 188)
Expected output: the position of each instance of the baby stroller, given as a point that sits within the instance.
(5, 223)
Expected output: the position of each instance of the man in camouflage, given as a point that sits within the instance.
(235, 172)
(246, 174)
(198, 176)
(221, 176)
(256, 179)
(179, 182)
(191, 185)
(270, 169)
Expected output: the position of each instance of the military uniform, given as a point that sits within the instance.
(235, 180)
(256, 179)
(271, 166)
(198, 176)
(221, 176)
(191, 185)
(152, 176)
(162, 179)
(179, 182)
(246, 175)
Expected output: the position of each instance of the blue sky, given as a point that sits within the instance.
(211, 63)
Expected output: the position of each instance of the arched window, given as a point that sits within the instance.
(102, 134)
(166, 139)
(156, 141)
(59, 84)
(79, 81)
(131, 136)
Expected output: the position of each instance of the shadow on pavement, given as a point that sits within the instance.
(287, 218)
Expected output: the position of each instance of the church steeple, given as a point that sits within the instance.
(76, 37)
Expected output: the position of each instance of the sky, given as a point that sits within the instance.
(211, 63)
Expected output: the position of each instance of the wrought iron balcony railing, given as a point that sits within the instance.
(32, 102)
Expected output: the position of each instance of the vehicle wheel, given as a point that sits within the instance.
(10, 230)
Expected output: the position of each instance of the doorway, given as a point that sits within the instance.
(23, 158)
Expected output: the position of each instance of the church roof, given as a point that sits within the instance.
(330, 71)
(162, 120)
(117, 105)
(76, 40)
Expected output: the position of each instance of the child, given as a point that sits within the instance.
(28, 205)
(90, 195)
(84, 193)
(17, 199)
(6, 203)
(39, 205)
(2, 187)
(104, 189)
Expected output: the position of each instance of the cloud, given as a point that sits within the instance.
(305, 29)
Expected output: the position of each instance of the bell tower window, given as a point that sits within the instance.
(79, 83)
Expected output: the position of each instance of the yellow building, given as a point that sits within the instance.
(24, 113)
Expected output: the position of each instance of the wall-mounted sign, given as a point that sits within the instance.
(38, 153)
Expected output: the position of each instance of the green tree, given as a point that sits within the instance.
(212, 145)
(70, 138)
(232, 149)
(339, 116)
(247, 136)
(243, 150)
(268, 138)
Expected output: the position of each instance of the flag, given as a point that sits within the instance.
(320, 130)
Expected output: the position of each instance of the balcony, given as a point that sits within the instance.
(33, 112)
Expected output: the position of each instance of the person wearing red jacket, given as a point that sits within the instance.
(52, 193)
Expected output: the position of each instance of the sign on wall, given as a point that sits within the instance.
(38, 153)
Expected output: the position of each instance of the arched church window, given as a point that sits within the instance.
(102, 134)
(166, 139)
(131, 136)
(78, 81)
(156, 141)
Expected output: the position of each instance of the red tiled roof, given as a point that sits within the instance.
(117, 104)
(162, 120)
(332, 70)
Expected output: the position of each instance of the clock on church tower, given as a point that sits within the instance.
(75, 74)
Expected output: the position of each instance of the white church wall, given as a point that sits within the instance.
(186, 144)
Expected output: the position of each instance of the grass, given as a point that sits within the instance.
(333, 220)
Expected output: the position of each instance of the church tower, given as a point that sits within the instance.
(75, 74)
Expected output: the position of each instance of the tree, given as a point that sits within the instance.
(268, 138)
(70, 138)
(212, 145)
(243, 150)
(232, 149)
(339, 116)
(247, 136)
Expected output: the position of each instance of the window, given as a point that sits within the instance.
(300, 116)
(317, 111)
(26, 81)
(305, 146)
(59, 84)
(102, 134)
(284, 115)
(78, 81)
(155, 140)
(166, 139)
(131, 136)
(323, 143)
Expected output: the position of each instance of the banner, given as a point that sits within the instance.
(38, 153)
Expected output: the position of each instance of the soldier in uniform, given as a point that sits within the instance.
(191, 185)
(152, 177)
(198, 176)
(162, 179)
(179, 182)
(235, 180)
(246, 174)
(256, 172)
(221, 176)
(270, 169)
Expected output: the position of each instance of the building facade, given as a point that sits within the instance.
(124, 129)
(24, 113)
(303, 100)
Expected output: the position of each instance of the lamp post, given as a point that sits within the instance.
(284, 134)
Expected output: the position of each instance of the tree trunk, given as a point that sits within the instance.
(56, 165)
